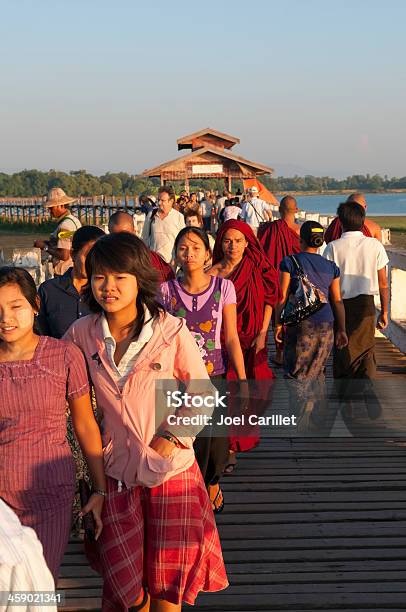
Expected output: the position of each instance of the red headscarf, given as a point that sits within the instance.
(255, 281)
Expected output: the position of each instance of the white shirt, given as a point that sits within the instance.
(123, 369)
(22, 563)
(359, 259)
(161, 233)
(231, 212)
(253, 212)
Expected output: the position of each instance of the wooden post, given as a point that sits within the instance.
(229, 184)
(187, 183)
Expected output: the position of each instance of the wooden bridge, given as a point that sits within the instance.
(309, 524)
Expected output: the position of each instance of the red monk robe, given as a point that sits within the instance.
(335, 229)
(165, 271)
(256, 284)
(278, 240)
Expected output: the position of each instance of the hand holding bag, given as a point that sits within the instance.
(305, 301)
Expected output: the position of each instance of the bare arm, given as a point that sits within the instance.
(284, 283)
(384, 297)
(232, 341)
(341, 339)
(88, 435)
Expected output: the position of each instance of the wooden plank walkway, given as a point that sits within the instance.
(309, 524)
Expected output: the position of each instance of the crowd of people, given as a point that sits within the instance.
(190, 298)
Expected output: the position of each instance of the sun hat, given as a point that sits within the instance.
(57, 197)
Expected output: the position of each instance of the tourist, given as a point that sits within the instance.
(61, 300)
(208, 304)
(58, 247)
(308, 343)
(255, 211)
(239, 257)
(163, 225)
(362, 262)
(38, 375)
(370, 228)
(280, 238)
(122, 222)
(221, 201)
(231, 210)
(154, 484)
(206, 206)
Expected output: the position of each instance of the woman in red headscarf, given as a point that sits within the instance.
(239, 257)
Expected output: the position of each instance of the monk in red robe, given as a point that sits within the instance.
(279, 239)
(369, 229)
(239, 257)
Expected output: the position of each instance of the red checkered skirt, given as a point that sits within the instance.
(164, 538)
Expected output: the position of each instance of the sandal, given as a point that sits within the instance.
(218, 501)
(142, 604)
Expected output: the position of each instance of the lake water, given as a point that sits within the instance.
(378, 203)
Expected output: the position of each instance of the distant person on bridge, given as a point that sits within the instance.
(279, 239)
(255, 211)
(163, 225)
(60, 241)
(369, 229)
(121, 221)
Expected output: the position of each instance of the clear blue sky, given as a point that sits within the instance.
(309, 86)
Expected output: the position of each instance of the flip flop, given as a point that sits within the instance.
(218, 508)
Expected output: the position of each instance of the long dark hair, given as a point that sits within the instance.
(125, 253)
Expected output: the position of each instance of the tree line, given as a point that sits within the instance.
(29, 183)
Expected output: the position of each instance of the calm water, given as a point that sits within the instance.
(378, 203)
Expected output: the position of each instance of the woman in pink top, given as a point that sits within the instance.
(160, 539)
(37, 376)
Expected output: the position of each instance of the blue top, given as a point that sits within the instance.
(320, 272)
(60, 306)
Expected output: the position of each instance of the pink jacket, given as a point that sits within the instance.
(129, 414)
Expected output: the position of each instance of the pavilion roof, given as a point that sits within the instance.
(218, 153)
(229, 141)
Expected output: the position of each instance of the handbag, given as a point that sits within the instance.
(304, 301)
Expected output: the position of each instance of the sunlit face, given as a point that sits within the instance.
(165, 202)
(191, 253)
(57, 211)
(79, 260)
(234, 244)
(16, 314)
(115, 291)
(193, 198)
(192, 221)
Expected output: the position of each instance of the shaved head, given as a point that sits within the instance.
(287, 205)
(121, 221)
(358, 198)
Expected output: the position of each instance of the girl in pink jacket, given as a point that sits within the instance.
(160, 541)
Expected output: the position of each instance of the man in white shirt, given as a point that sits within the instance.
(163, 225)
(362, 262)
(255, 211)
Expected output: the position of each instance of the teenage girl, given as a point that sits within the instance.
(160, 545)
(208, 304)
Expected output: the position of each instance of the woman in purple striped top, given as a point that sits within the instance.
(37, 376)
